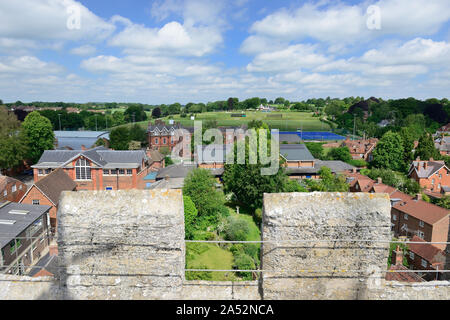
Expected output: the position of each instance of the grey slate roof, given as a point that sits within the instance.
(175, 171)
(432, 168)
(289, 138)
(295, 152)
(172, 183)
(213, 153)
(335, 167)
(103, 157)
(22, 222)
(75, 139)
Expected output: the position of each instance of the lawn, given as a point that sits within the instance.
(290, 121)
(213, 257)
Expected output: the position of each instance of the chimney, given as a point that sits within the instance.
(431, 159)
(83, 147)
(379, 180)
(354, 170)
(398, 256)
(418, 197)
(418, 159)
(425, 165)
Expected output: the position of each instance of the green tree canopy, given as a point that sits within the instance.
(120, 138)
(426, 148)
(39, 135)
(13, 148)
(388, 153)
(199, 185)
(190, 214)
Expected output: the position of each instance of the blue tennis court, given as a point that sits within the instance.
(316, 135)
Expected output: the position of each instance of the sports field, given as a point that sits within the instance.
(282, 120)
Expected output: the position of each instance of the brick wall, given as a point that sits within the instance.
(36, 194)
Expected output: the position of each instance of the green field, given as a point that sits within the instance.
(213, 257)
(290, 121)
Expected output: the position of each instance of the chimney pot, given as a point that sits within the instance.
(431, 159)
(379, 180)
(398, 257)
(418, 197)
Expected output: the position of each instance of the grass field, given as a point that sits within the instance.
(290, 121)
(211, 256)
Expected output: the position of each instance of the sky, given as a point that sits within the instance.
(201, 50)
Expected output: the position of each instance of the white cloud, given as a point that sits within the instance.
(27, 65)
(339, 22)
(172, 39)
(85, 50)
(47, 20)
(293, 57)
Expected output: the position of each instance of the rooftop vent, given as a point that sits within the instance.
(7, 222)
(21, 212)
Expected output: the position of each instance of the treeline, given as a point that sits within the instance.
(89, 120)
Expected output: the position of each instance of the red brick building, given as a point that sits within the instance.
(410, 216)
(47, 191)
(361, 149)
(431, 175)
(425, 256)
(161, 135)
(11, 189)
(99, 168)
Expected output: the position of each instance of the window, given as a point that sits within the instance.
(421, 224)
(34, 228)
(411, 255)
(14, 245)
(432, 181)
(114, 172)
(424, 263)
(109, 188)
(394, 217)
(420, 234)
(40, 172)
(20, 187)
(405, 216)
(121, 171)
(5, 193)
(105, 172)
(83, 170)
(164, 141)
(48, 171)
(156, 141)
(129, 172)
(36, 202)
(14, 188)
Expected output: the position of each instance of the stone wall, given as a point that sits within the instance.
(122, 244)
(321, 268)
(130, 245)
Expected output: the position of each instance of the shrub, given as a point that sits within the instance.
(258, 215)
(244, 262)
(190, 214)
(236, 229)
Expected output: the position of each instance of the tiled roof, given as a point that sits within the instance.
(426, 169)
(295, 152)
(427, 251)
(21, 221)
(360, 146)
(422, 210)
(155, 155)
(175, 171)
(402, 276)
(55, 183)
(102, 156)
(4, 180)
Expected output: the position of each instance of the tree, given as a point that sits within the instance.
(156, 113)
(426, 148)
(13, 148)
(137, 133)
(316, 149)
(330, 182)
(444, 202)
(120, 138)
(135, 113)
(190, 214)
(39, 135)
(232, 103)
(388, 153)
(199, 185)
(342, 154)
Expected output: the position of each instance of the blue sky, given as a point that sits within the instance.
(200, 50)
